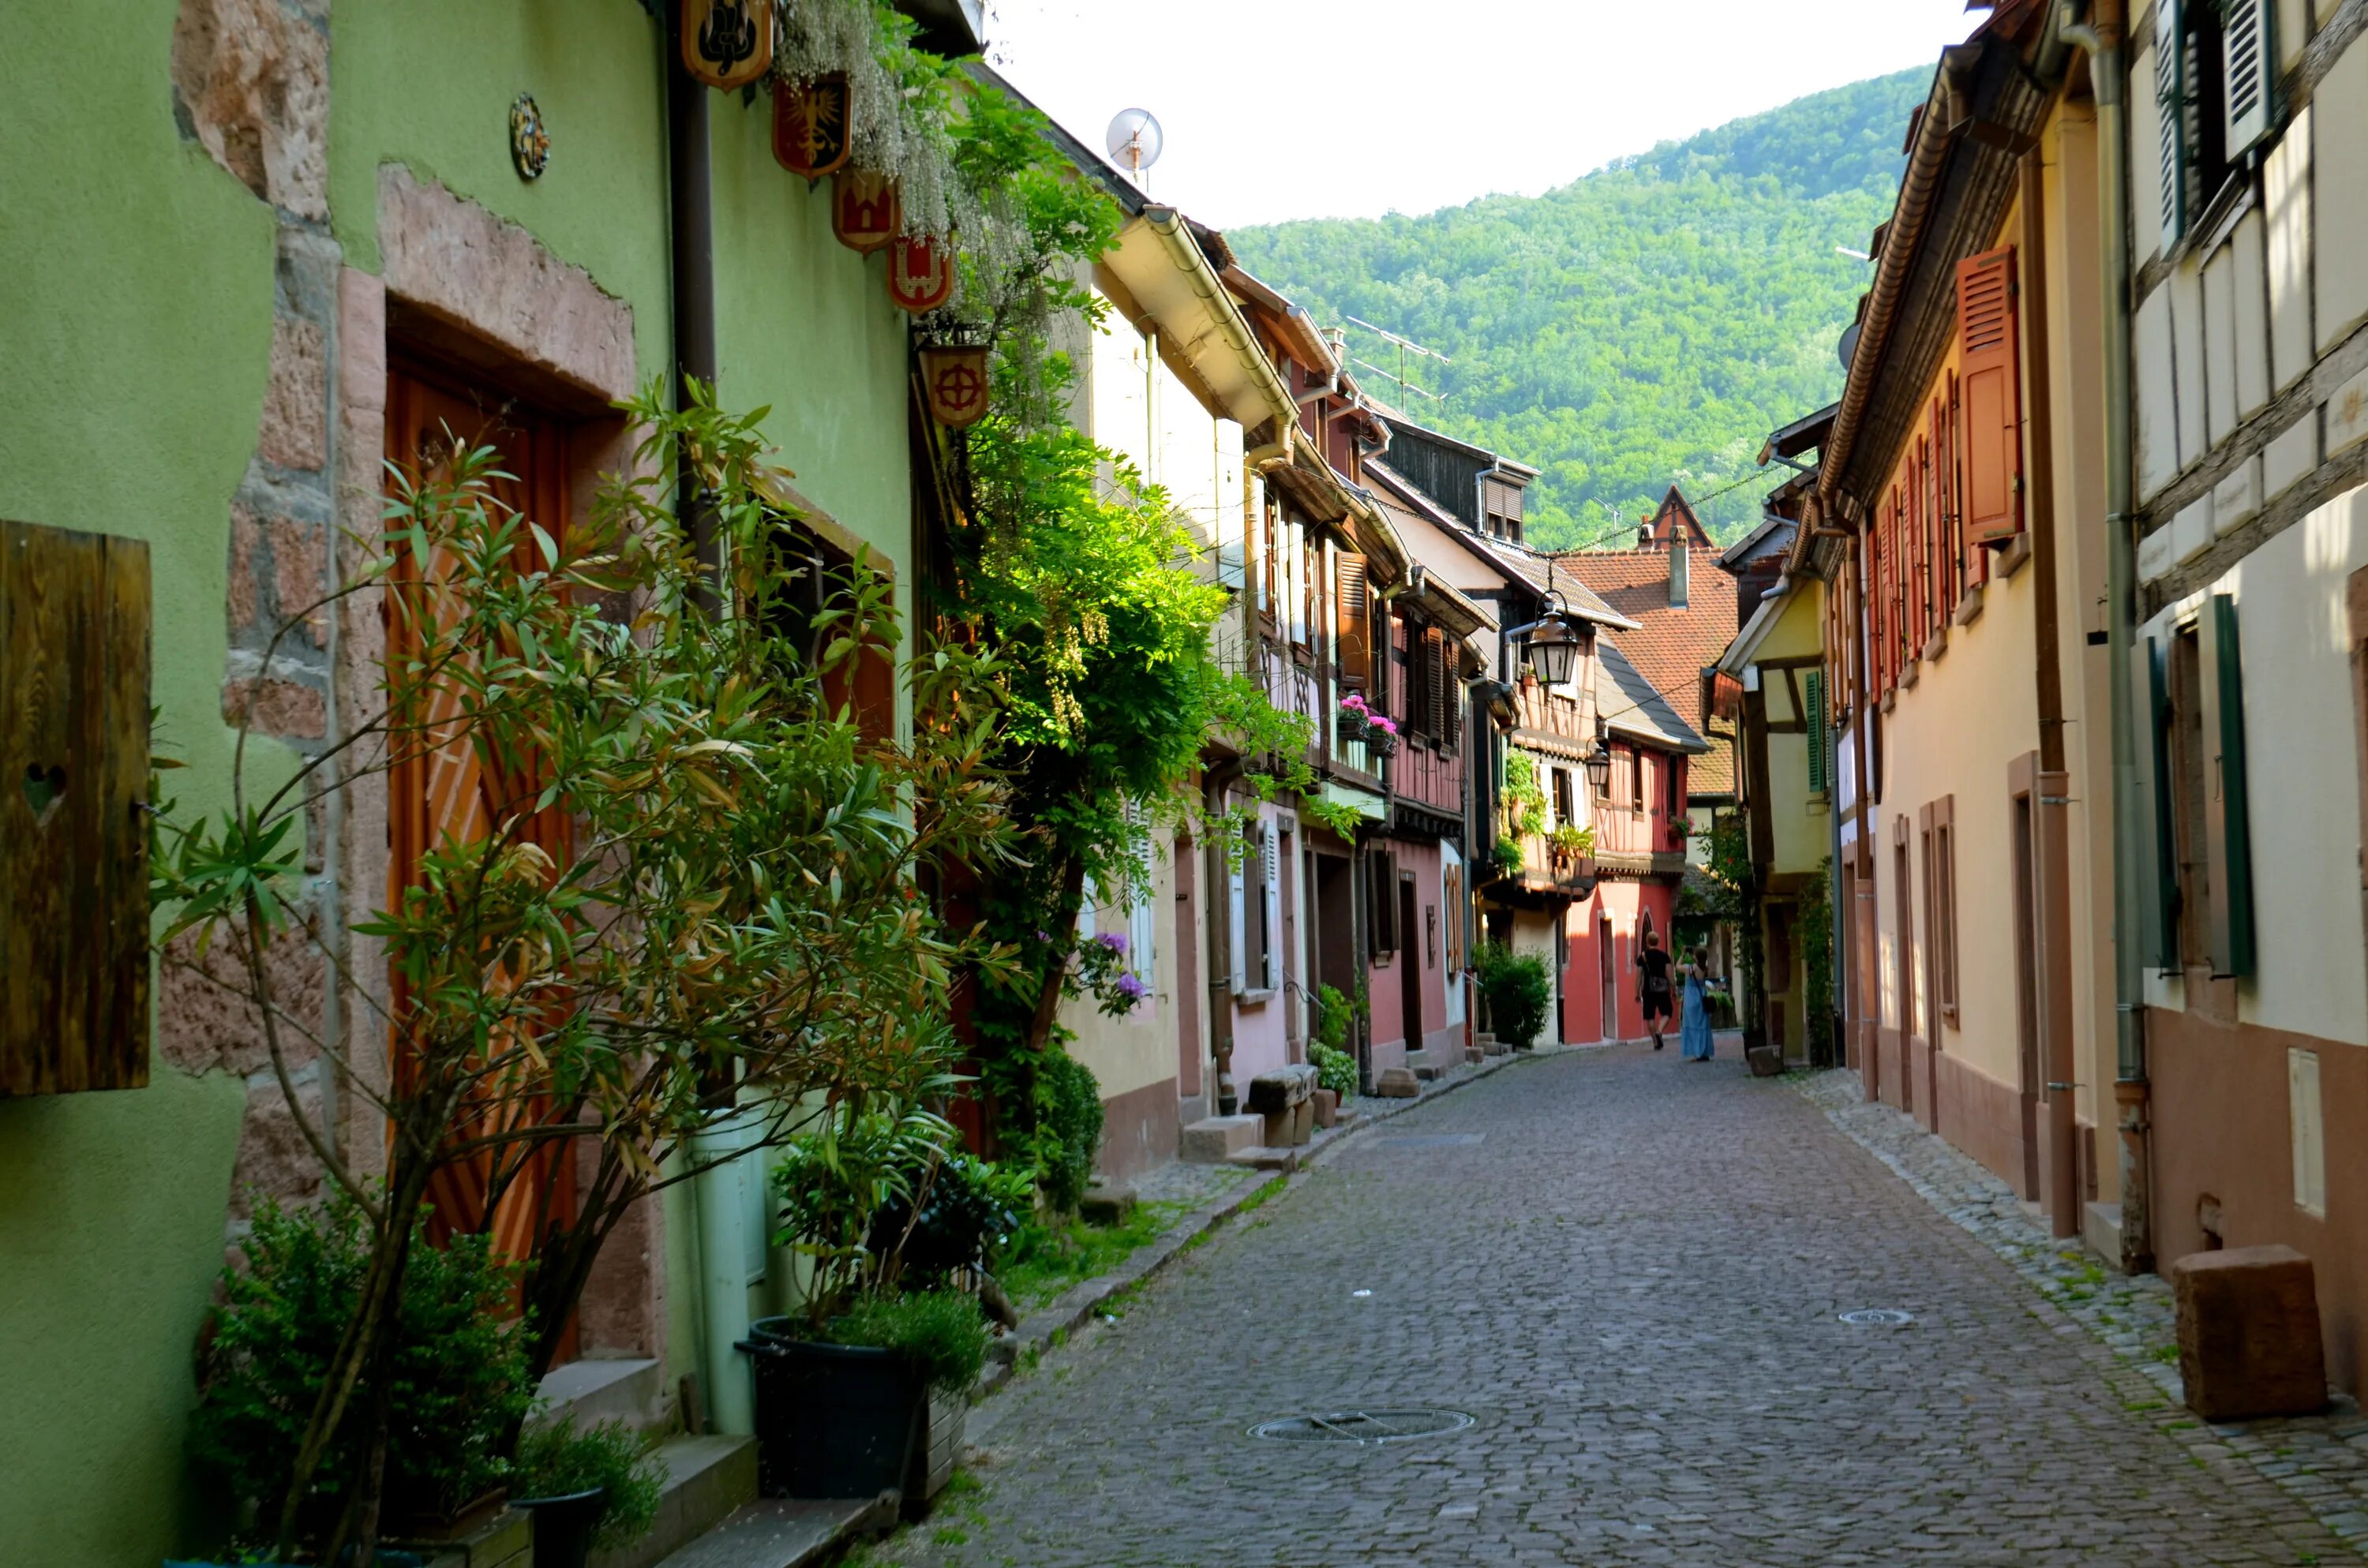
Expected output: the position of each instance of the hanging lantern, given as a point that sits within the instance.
(921, 273)
(864, 212)
(727, 43)
(954, 376)
(810, 125)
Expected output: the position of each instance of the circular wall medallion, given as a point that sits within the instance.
(529, 142)
(1362, 1427)
(1878, 1317)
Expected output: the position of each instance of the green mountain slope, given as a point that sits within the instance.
(1650, 322)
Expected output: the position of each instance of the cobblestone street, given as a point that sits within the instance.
(1627, 1269)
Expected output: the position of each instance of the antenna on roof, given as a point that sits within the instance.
(1406, 346)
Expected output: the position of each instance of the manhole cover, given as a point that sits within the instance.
(1434, 1141)
(1878, 1317)
(1366, 1426)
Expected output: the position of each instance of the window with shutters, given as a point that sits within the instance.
(1566, 813)
(1636, 782)
(1451, 717)
(2214, 87)
(1355, 615)
(2227, 833)
(2249, 56)
(1989, 372)
(2183, 750)
(1812, 701)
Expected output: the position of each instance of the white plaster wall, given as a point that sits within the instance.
(2302, 774)
(2220, 345)
(2251, 316)
(2157, 410)
(2294, 32)
(1127, 1052)
(1121, 392)
(2186, 290)
(2340, 148)
(2285, 184)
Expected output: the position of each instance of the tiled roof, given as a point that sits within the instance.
(1405, 496)
(1634, 707)
(1671, 647)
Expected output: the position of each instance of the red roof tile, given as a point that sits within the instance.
(1671, 647)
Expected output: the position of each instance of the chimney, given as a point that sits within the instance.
(1678, 568)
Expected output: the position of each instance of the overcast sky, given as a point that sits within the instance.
(1309, 108)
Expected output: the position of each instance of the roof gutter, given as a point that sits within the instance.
(1169, 225)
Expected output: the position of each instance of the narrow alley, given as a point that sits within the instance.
(1629, 1271)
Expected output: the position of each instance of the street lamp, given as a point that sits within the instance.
(1599, 761)
(1553, 650)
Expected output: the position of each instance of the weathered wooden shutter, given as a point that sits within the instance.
(1992, 396)
(1356, 621)
(1436, 653)
(1813, 699)
(1377, 696)
(2163, 931)
(73, 846)
(2227, 821)
(2248, 52)
(1451, 682)
(2170, 117)
(1237, 909)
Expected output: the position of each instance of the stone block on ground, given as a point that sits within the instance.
(1282, 1088)
(1327, 1105)
(1473, 1055)
(1397, 1084)
(1303, 1122)
(1107, 1205)
(2248, 1333)
(1265, 1157)
(1765, 1062)
(1215, 1139)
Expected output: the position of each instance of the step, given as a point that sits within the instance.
(785, 1532)
(707, 1479)
(632, 1392)
(1215, 1139)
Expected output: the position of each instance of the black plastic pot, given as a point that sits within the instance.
(564, 1525)
(832, 1420)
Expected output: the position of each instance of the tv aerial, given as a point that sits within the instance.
(1133, 140)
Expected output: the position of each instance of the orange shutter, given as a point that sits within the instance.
(1356, 621)
(1992, 394)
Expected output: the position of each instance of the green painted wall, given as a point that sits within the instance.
(135, 329)
(136, 326)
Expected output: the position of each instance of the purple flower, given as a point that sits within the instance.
(1113, 941)
(1131, 988)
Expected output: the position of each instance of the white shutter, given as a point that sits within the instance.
(1237, 914)
(2248, 44)
(1270, 850)
(2170, 117)
(1143, 934)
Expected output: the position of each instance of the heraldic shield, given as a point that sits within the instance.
(954, 377)
(727, 43)
(864, 212)
(921, 273)
(810, 125)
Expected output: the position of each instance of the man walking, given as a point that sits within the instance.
(1653, 985)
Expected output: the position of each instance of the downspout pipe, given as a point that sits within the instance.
(2103, 45)
(691, 231)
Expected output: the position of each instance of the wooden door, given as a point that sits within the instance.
(448, 792)
(1409, 961)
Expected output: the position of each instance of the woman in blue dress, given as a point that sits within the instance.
(1693, 1035)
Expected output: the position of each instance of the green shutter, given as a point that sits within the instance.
(2164, 943)
(2228, 822)
(1813, 697)
(2170, 116)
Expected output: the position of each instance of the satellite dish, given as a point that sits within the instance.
(1847, 348)
(1133, 141)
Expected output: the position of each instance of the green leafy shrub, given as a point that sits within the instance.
(968, 1206)
(459, 1384)
(562, 1459)
(1516, 992)
(1070, 1106)
(833, 1183)
(1336, 1014)
(1334, 1069)
(941, 1333)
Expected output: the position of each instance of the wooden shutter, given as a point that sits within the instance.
(2249, 50)
(1356, 621)
(2154, 680)
(74, 845)
(1992, 396)
(1436, 658)
(1378, 697)
(1812, 701)
(1451, 717)
(1237, 909)
(2226, 820)
(2170, 117)
(1273, 921)
(1382, 901)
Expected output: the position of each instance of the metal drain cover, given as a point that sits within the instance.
(1879, 1317)
(1362, 1427)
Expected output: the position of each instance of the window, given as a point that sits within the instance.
(1381, 897)
(1636, 781)
(1565, 815)
(1256, 887)
(2203, 840)
(1673, 800)
(1451, 896)
(1421, 686)
(1937, 834)
(1355, 619)
(1270, 588)
(2214, 77)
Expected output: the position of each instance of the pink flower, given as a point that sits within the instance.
(1381, 723)
(1353, 701)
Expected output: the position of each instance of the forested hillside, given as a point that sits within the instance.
(1652, 321)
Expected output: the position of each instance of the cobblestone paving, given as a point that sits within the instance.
(1631, 1281)
(2323, 1459)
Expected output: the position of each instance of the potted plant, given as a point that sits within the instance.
(1508, 856)
(844, 1390)
(1570, 844)
(588, 1487)
(1382, 740)
(1355, 721)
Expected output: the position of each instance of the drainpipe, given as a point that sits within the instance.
(2130, 1087)
(691, 230)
